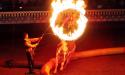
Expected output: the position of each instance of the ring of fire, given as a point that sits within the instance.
(68, 19)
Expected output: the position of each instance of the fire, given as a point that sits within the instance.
(68, 19)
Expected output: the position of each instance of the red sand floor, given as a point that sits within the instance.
(101, 65)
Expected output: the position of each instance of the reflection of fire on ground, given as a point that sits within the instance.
(68, 20)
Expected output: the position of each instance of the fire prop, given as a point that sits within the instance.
(68, 19)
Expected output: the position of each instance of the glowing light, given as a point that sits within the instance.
(67, 29)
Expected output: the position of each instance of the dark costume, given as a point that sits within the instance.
(30, 45)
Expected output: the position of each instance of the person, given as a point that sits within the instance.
(65, 49)
(30, 44)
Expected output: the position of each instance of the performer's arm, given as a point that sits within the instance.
(34, 39)
(30, 45)
(59, 45)
(74, 46)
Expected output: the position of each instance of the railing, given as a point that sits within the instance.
(22, 17)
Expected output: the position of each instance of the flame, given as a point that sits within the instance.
(62, 6)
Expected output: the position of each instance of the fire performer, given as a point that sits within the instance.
(30, 44)
(64, 53)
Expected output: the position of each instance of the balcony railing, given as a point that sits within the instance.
(23, 17)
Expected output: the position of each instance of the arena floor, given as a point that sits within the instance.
(13, 59)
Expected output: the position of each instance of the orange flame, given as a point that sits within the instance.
(70, 6)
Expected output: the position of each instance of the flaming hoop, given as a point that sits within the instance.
(68, 19)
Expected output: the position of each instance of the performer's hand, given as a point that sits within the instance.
(36, 44)
(41, 37)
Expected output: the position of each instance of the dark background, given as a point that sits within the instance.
(14, 5)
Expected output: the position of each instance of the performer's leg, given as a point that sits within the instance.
(56, 64)
(32, 65)
(63, 62)
(69, 56)
(30, 62)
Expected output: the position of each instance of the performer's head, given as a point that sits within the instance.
(26, 36)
